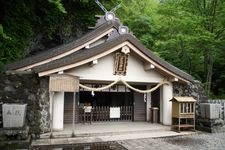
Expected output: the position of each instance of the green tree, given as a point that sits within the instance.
(190, 34)
(191, 31)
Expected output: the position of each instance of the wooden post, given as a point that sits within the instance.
(74, 99)
(51, 94)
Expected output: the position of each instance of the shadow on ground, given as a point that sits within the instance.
(185, 141)
(85, 146)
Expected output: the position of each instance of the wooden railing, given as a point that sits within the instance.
(102, 113)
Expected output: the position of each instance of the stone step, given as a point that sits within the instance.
(69, 134)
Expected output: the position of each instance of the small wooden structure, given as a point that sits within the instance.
(183, 113)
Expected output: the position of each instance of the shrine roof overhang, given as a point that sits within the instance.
(84, 54)
(53, 53)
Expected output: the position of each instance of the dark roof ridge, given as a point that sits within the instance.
(87, 53)
(62, 48)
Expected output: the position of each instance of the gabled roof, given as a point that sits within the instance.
(73, 54)
(63, 48)
(88, 53)
(183, 99)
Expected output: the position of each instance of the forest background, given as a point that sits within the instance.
(190, 34)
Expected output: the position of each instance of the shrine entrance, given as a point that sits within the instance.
(112, 104)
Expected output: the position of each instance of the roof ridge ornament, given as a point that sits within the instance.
(109, 15)
(104, 9)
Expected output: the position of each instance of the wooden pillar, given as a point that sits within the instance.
(74, 100)
(148, 104)
(51, 94)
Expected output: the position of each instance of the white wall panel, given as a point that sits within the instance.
(103, 71)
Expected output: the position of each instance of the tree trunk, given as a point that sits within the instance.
(208, 70)
(208, 56)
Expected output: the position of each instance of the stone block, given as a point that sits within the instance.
(202, 109)
(223, 112)
(210, 111)
(13, 115)
(213, 111)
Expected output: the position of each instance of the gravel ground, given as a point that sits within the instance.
(203, 141)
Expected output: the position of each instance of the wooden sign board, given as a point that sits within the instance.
(120, 67)
(63, 83)
(114, 112)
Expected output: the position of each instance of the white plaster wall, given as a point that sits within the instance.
(58, 110)
(103, 71)
(166, 104)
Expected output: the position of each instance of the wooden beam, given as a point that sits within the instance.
(94, 62)
(61, 72)
(91, 28)
(148, 66)
(98, 16)
(174, 79)
(87, 46)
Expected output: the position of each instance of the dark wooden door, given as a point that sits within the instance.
(139, 107)
(68, 108)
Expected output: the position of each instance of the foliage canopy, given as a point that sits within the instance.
(190, 34)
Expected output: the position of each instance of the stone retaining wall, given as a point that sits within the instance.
(197, 91)
(194, 89)
(27, 88)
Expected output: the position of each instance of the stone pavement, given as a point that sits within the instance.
(202, 141)
(107, 138)
(125, 132)
(147, 144)
(102, 128)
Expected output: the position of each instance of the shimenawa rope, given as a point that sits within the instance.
(125, 83)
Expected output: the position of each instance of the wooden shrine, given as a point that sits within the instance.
(183, 113)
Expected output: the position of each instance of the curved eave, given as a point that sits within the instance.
(106, 48)
(63, 50)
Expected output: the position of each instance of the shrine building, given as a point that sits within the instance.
(109, 71)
